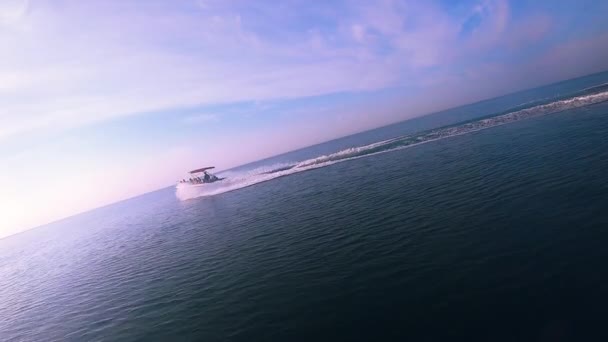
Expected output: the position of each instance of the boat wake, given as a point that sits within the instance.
(237, 180)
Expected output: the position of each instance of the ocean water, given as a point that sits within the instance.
(487, 222)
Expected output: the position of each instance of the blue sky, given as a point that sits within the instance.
(94, 92)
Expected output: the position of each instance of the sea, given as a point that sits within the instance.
(487, 222)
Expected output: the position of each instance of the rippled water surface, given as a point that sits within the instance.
(497, 234)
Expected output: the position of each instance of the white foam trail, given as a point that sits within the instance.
(234, 180)
(238, 180)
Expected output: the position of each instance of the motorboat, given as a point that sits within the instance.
(200, 177)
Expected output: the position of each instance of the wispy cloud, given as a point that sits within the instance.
(293, 72)
(128, 58)
(11, 12)
(200, 118)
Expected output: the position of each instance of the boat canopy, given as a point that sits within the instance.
(202, 169)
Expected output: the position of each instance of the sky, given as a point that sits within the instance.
(102, 100)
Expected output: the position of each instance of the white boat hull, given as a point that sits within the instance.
(185, 191)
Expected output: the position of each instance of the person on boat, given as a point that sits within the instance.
(206, 178)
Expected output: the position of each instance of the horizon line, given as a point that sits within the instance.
(305, 147)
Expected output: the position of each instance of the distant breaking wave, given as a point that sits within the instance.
(238, 180)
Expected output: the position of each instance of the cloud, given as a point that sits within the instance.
(200, 118)
(12, 11)
(71, 64)
(358, 32)
(530, 30)
(129, 58)
(573, 58)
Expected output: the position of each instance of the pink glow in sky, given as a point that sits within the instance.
(92, 92)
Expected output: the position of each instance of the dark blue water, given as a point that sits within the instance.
(491, 235)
